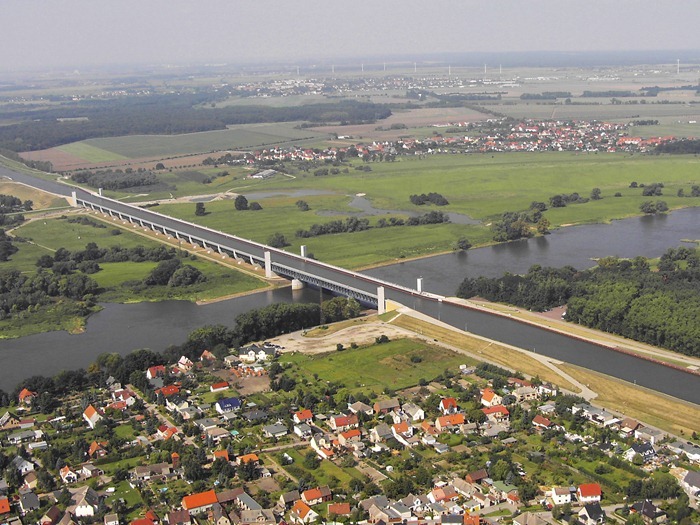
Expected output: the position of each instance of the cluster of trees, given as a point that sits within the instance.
(546, 95)
(513, 225)
(173, 273)
(694, 191)
(680, 147)
(609, 93)
(12, 204)
(241, 204)
(652, 190)
(339, 309)
(354, 224)
(349, 225)
(560, 201)
(65, 262)
(430, 198)
(20, 292)
(85, 221)
(620, 296)
(169, 113)
(652, 208)
(7, 248)
(115, 180)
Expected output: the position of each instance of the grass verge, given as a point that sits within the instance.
(492, 352)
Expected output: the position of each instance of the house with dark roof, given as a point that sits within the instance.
(228, 404)
(591, 514)
(649, 512)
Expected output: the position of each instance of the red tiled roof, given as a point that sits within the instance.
(541, 421)
(248, 457)
(339, 509)
(221, 454)
(589, 490)
(201, 499)
(25, 393)
(304, 415)
(4, 505)
(496, 409)
(312, 494)
(301, 509)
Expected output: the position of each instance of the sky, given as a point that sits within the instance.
(50, 34)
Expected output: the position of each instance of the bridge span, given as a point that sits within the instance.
(366, 289)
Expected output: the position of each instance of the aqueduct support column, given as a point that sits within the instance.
(268, 264)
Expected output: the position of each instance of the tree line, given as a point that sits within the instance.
(161, 114)
(115, 180)
(626, 297)
(354, 224)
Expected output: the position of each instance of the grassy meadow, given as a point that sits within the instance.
(395, 365)
(480, 186)
(118, 279)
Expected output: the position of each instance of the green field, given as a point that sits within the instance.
(393, 365)
(481, 186)
(90, 153)
(241, 137)
(46, 236)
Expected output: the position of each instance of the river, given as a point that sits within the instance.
(122, 328)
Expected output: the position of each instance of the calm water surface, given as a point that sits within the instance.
(123, 328)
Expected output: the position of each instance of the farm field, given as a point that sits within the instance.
(479, 186)
(90, 153)
(244, 137)
(100, 152)
(397, 364)
(600, 109)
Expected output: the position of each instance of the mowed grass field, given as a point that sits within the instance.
(44, 237)
(90, 153)
(242, 137)
(395, 365)
(481, 186)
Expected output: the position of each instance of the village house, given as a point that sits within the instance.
(219, 387)
(303, 430)
(303, 416)
(340, 423)
(316, 495)
(561, 495)
(414, 412)
(386, 405)
(444, 423)
(497, 414)
(199, 503)
(448, 405)
(360, 407)
(26, 397)
(156, 371)
(91, 416)
(179, 517)
(490, 398)
(650, 513)
(229, 404)
(84, 502)
(68, 475)
(589, 493)
(301, 513)
(276, 430)
(591, 514)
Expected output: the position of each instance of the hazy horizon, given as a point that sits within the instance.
(82, 33)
